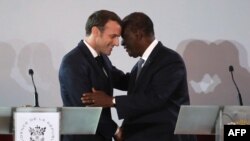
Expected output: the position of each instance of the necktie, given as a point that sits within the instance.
(139, 67)
(100, 63)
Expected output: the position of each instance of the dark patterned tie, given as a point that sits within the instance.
(100, 63)
(139, 67)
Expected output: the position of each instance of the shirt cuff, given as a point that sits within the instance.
(117, 130)
(113, 101)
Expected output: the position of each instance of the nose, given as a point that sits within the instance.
(116, 41)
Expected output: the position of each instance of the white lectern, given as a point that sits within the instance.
(210, 120)
(42, 121)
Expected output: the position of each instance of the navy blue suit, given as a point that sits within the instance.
(153, 101)
(78, 74)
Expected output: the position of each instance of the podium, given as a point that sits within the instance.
(210, 120)
(54, 121)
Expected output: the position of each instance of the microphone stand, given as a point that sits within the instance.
(36, 94)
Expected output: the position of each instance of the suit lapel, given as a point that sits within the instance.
(84, 49)
(141, 76)
(151, 58)
(98, 71)
(145, 67)
(134, 83)
(132, 80)
(108, 68)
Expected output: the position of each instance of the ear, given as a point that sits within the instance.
(139, 34)
(95, 31)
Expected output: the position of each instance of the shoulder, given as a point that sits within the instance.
(164, 53)
(72, 55)
(75, 54)
(75, 58)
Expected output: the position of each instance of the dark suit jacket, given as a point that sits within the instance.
(78, 74)
(151, 107)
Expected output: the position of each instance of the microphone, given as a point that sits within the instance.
(31, 72)
(231, 69)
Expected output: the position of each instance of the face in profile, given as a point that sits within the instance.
(108, 37)
(131, 43)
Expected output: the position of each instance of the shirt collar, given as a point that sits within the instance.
(149, 50)
(93, 52)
